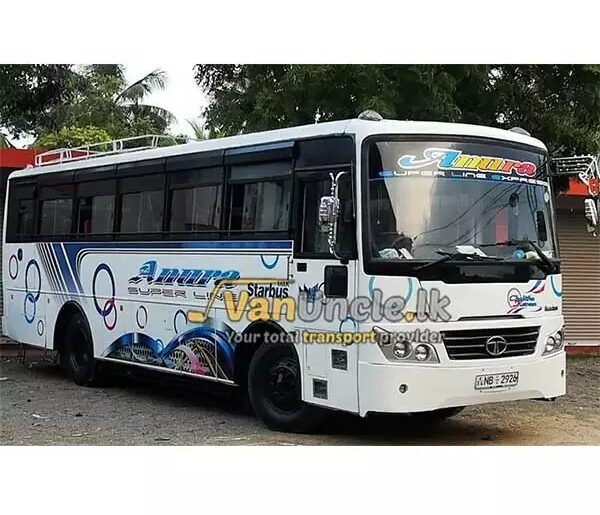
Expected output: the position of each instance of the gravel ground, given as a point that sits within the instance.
(39, 406)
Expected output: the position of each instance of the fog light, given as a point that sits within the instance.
(401, 349)
(550, 343)
(422, 353)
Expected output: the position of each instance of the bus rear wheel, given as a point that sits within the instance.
(274, 388)
(78, 349)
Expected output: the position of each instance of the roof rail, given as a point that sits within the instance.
(586, 168)
(117, 146)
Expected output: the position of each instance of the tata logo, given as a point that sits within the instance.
(151, 274)
(516, 300)
(496, 346)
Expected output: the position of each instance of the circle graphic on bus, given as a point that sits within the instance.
(31, 296)
(409, 292)
(179, 312)
(33, 264)
(269, 265)
(40, 327)
(347, 322)
(29, 313)
(141, 317)
(13, 267)
(108, 311)
(555, 290)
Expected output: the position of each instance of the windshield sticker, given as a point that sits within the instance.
(454, 163)
(448, 159)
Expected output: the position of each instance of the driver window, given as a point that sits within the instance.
(312, 240)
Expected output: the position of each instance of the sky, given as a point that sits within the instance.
(182, 96)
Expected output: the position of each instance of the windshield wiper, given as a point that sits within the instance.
(447, 256)
(551, 267)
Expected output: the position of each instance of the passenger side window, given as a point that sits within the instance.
(142, 212)
(25, 218)
(56, 216)
(96, 214)
(195, 209)
(260, 206)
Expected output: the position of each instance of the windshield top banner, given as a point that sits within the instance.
(449, 160)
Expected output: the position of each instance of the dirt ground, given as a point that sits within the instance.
(40, 406)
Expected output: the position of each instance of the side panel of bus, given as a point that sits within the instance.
(147, 293)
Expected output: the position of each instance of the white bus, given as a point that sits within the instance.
(414, 266)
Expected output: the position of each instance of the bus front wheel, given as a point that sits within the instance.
(79, 351)
(275, 392)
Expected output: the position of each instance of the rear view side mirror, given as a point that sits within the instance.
(329, 207)
(591, 214)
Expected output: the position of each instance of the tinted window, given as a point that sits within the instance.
(25, 218)
(142, 212)
(261, 206)
(96, 214)
(56, 216)
(195, 209)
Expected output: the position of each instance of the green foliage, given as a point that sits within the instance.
(29, 95)
(559, 104)
(69, 137)
(4, 141)
(53, 101)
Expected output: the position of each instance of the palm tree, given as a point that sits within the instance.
(131, 99)
(200, 132)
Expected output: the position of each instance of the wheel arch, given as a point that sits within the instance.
(244, 351)
(66, 312)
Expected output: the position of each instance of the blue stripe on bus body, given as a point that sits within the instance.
(64, 268)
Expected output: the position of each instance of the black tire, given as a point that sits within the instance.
(274, 389)
(436, 416)
(78, 357)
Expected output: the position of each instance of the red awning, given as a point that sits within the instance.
(17, 157)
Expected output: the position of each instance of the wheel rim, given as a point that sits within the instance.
(283, 385)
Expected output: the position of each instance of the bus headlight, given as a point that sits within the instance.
(402, 350)
(398, 347)
(554, 343)
(422, 352)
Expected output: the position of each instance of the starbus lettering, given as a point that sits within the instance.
(151, 274)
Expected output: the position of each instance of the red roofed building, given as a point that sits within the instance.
(11, 159)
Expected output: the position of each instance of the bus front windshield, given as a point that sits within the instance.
(432, 198)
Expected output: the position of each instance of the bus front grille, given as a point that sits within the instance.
(473, 343)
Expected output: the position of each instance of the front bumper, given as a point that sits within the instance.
(429, 387)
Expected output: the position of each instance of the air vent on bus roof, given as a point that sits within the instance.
(369, 114)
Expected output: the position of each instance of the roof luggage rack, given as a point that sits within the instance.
(117, 146)
(586, 168)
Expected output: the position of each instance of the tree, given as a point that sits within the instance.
(69, 137)
(5, 142)
(29, 95)
(105, 102)
(560, 104)
(65, 103)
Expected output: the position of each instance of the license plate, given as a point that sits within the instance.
(491, 381)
